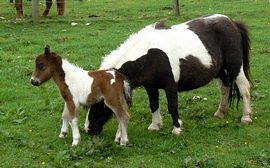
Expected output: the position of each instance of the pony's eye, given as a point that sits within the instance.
(41, 67)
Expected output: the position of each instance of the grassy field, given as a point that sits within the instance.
(30, 116)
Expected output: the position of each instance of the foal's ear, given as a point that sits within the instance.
(47, 51)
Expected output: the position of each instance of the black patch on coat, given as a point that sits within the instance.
(99, 114)
(193, 74)
(152, 70)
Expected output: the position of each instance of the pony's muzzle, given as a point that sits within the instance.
(35, 81)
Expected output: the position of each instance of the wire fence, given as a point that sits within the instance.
(75, 8)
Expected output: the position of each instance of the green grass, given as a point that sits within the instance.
(30, 116)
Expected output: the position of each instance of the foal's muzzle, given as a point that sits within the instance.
(35, 81)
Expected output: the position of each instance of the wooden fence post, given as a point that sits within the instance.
(35, 11)
(176, 10)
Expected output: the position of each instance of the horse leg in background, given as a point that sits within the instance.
(153, 95)
(224, 99)
(61, 7)
(172, 98)
(48, 7)
(19, 9)
(244, 88)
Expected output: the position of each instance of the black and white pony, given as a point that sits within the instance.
(181, 58)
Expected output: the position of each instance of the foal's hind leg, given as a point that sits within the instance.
(117, 106)
(154, 105)
(244, 88)
(224, 99)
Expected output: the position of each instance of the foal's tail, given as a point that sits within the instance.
(128, 93)
(234, 90)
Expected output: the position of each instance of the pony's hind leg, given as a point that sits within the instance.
(224, 99)
(244, 88)
(154, 105)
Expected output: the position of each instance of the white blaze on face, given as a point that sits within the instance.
(113, 74)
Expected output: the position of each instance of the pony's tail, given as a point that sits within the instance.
(246, 46)
(128, 93)
(234, 90)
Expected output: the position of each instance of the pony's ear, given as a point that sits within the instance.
(47, 51)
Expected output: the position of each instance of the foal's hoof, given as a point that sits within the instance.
(86, 129)
(154, 127)
(62, 135)
(219, 115)
(117, 139)
(176, 131)
(246, 119)
(75, 142)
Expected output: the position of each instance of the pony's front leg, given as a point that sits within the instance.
(171, 94)
(65, 118)
(153, 95)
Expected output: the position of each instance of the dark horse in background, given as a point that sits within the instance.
(60, 8)
(181, 58)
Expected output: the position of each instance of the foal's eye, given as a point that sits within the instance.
(41, 67)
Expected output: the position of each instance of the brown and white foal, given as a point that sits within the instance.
(80, 87)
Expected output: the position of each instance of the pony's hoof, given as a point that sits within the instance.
(62, 135)
(154, 127)
(75, 142)
(124, 142)
(219, 115)
(246, 119)
(176, 131)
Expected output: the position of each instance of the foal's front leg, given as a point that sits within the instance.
(74, 126)
(65, 118)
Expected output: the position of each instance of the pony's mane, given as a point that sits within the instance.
(68, 67)
(112, 60)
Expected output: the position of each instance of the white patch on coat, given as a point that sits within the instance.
(78, 81)
(177, 42)
(113, 74)
(215, 16)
